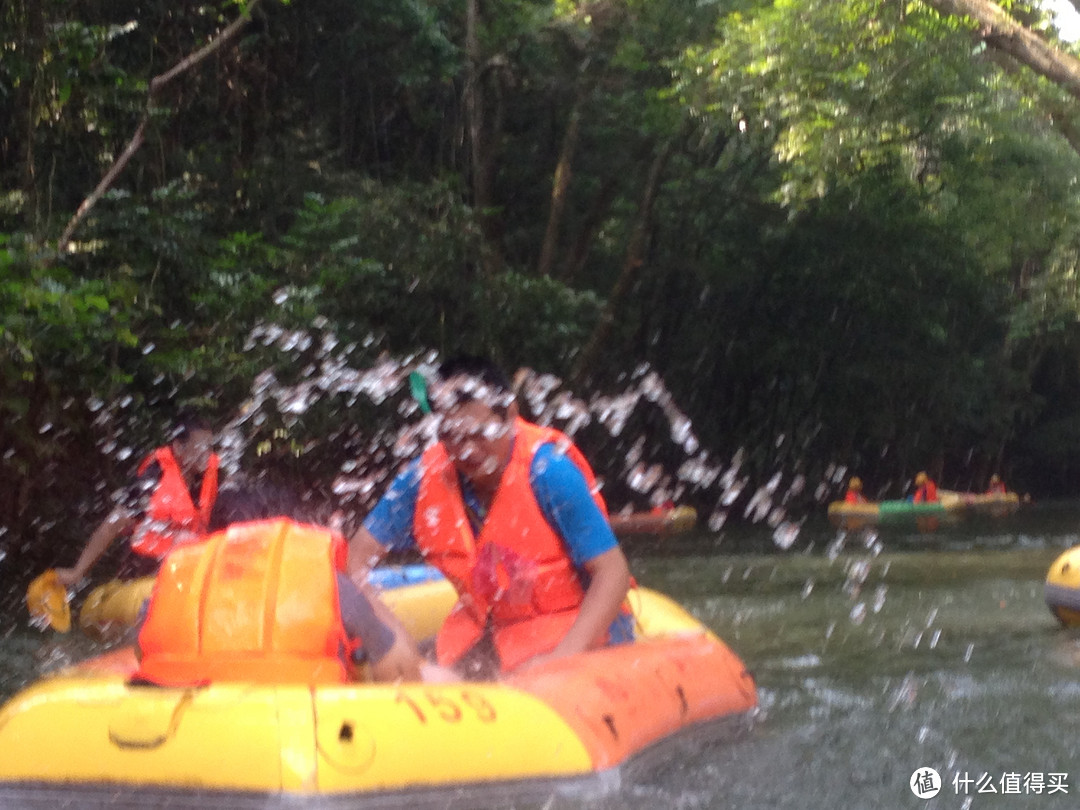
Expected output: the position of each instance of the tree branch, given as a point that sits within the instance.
(191, 60)
(1003, 33)
(631, 269)
(560, 185)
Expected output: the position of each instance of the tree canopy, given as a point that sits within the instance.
(845, 234)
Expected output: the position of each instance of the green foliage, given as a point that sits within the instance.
(845, 86)
(863, 246)
(401, 263)
(55, 324)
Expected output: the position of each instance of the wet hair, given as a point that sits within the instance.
(259, 500)
(482, 370)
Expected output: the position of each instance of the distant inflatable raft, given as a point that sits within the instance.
(950, 503)
(1062, 588)
(89, 735)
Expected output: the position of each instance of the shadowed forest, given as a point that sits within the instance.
(844, 234)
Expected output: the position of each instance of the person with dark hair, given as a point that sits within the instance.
(854, 492)
(925, 489)
(510, 512)
(169, 504)
(246, 501)
(210, 611)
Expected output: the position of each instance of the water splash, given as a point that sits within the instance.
(339, 418)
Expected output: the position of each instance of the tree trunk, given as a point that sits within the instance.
(156, 84)
(1003, 33)
(559, 186)
(631, 269)
(473, 102)
(579, 253)
(482, 141)
(31, 20)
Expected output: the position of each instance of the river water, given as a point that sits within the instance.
(876, 654)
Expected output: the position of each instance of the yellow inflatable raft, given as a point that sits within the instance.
(89, 734)
(113, 608)
(1062, 588)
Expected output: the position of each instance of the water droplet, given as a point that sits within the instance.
(717, 520)
(879, 598)
(785, 535)
(836, 546)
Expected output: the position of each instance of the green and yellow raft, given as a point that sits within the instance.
(949, 503)
(88, 734)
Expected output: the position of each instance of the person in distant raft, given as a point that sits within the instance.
(925, 489)
(997, 486)
(509, 512)
(170, 504)
(854, 492)
(265, 600)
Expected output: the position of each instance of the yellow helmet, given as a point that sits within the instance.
(995, 479)
(855, 482)
(920, 479)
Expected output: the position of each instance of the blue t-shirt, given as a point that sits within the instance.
(560, 490)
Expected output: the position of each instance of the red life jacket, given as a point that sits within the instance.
(854, 497)
(517, 572)
(927, 493)
(255, 602)
(171, 517)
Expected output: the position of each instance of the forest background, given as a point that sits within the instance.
(845, 234)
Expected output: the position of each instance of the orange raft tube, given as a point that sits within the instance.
(574, 723)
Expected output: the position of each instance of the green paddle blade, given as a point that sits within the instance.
(418, 389)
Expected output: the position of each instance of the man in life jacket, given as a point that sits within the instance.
(997, 486)
(510, 513)
(169, 504)
(854, 492)
(925, 489)
(265, 600)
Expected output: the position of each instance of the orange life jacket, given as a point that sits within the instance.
(517, 572)
(255, 602)
(927, 493)
(171, 517)
(854, 497)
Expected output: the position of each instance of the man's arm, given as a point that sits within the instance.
(390, 651)
(365, 552)
(396, 657)
(609, 582)
(117, 522)
(387, 526)
(567, 503)
(392, 518)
